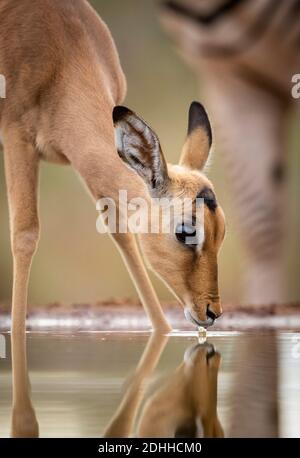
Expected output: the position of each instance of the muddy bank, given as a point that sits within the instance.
(125, 314)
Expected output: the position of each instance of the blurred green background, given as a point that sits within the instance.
(74, 263)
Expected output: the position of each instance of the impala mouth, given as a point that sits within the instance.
(196, 321)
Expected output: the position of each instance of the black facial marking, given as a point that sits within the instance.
(209, 198)
(184, 233)
(119, 112)
(198, 118)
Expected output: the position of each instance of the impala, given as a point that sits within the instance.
(64, 87)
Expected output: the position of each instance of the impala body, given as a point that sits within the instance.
(246, 56)
(64, 87)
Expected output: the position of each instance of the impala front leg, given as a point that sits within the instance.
(123, 420)
(128, 248)
(21, 170)
(23, 421)
(93, 169)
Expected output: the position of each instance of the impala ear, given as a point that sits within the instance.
(139, 147)
(199, 138)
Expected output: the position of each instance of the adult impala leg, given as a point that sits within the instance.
(250, 126)
(21, 170)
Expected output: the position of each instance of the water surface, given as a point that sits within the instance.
(133, 384)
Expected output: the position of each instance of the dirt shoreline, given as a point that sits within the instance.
(126, 314)
(128, 304)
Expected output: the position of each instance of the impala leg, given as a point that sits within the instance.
(130, 253)
(21, 170)
(23, 421)
(123, 420)
(250, 126)
(93, 170)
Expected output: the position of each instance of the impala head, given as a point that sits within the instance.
(189, 270)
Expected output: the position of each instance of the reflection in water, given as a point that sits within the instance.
(122, 423)
(184, 406)
(172, 391)
(255, 407)
(23, 421)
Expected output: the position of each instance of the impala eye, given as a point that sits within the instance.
(185, 234)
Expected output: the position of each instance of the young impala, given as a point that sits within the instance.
(64, 83)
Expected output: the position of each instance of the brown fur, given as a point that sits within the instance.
(192, 277)
(63, 81)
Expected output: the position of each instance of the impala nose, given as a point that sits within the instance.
(193, 318)
(213, 311)
(210, 313)
(208, 316)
